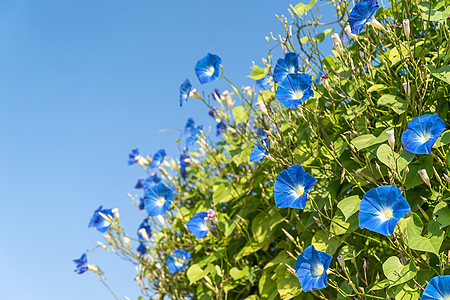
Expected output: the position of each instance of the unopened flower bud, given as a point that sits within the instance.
(407, 88)
(228, 100)
(144, 234)
(406, 28)
(406, 170)
(423, 174)
(141, 161)
(336, 38)
(208, 222)
(92, 268)
(446, 177)
(211, 213)
(341, 262)
(126, 241)
(107, 237)
(348, 29)
(376, 24)
(248, 90)
(161, 219)
(324, 81)
(195, 94)
(262, 107)
(115, 212)
(391, 138)
(338, 48)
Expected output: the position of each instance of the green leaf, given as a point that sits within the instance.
(195, 273)
(444, 139)
(366, 140)
(287, 284)
(404, 292)
(267, 287)
(413, 178)
(240, 115)
(238, 274)
(395, 103)
(442, 214)
(302, 8)
(436, 16)
(349, 206)
(377, 87)
(396, 273)
(380, 285)
(394, 55)
(323, 242)
(392, 159)
(258, 73)
(443, 73)
(222, 193)
(430, 243)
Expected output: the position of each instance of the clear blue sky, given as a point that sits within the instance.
(81, 83)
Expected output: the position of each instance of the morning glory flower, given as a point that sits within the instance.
(142, 249)
(158, 158)
(141, 203)
(151, 181)
(99, 222)
(221, 128)
(193, 137)
(178, 260)
(184, 162)
(185, 90)
(294, 90)
(285, 66)
(438, 288)
(311, 268)
(81, 264)
(207, 68)
(361, 14)
(422, 133)
(292, 187)
(199, 225)
(158, 199)
(381, 208)
(258, 153)
(190, 126)
(146, 227)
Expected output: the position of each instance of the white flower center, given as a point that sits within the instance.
(425, 137)
(386, 213)
(317, 270)
(299, 190)
(160, 201)
(291, 70)
(210, 71)
(298, 94)
(178, 262)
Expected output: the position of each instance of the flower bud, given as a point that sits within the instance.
(406, 28)
(195, 94)
(324, 81)
(115, 212)
(92, 268)
(376, 24)
(228, 100)
(126, 241)
(446, 177)
(407, 88)
(141, 161)
(341, 262)
(348, 29)
(338, 48)
(144, 234)
(248, 90)
(336, 38)
(262, 107)
(208, 222)
(161, 219)
(211, 213)
(423, 174)
(391, 138)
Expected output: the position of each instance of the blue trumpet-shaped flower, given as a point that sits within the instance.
(438, 288)
(147, 183)
(158, 158)
(294, 90)
(158, 199)
(141, 203)
(81, 264)
(207, 68)
(99, 222)
(199, 225)
(422, 133)
(190, 141)
(381, 208)
(178, 260)
(141, 249)
(184, 162)
(361, 14)
(140, 183)
(133, 157)
(221, 128)
(185, 90)
(146, 226)
(311, 268)
(285, 66)
(292, 187)
(258, 153)
(190, 126)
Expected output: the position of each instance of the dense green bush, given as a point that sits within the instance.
(372, 84)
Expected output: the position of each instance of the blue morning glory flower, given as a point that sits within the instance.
(140, 183)
(158, 158)
(207, 68)
(98, 222)
(190, 126)
(190, 141)
(149, 182)
(292, 187)
(142, 249)
(198, 225)
(178, 260)
(361, 14)
(285, 66)
(438, 288)
(184, 163)
(294, 90)
(221, 128)
(311, 268)
(133, 157)
(141, 203)
(381, 208)
(146, 226)
(81, 264)
(158, 199)
(185, 90)
(422, 133)
(258, 153)
(212, 113)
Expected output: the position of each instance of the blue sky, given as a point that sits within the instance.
(81, 83)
